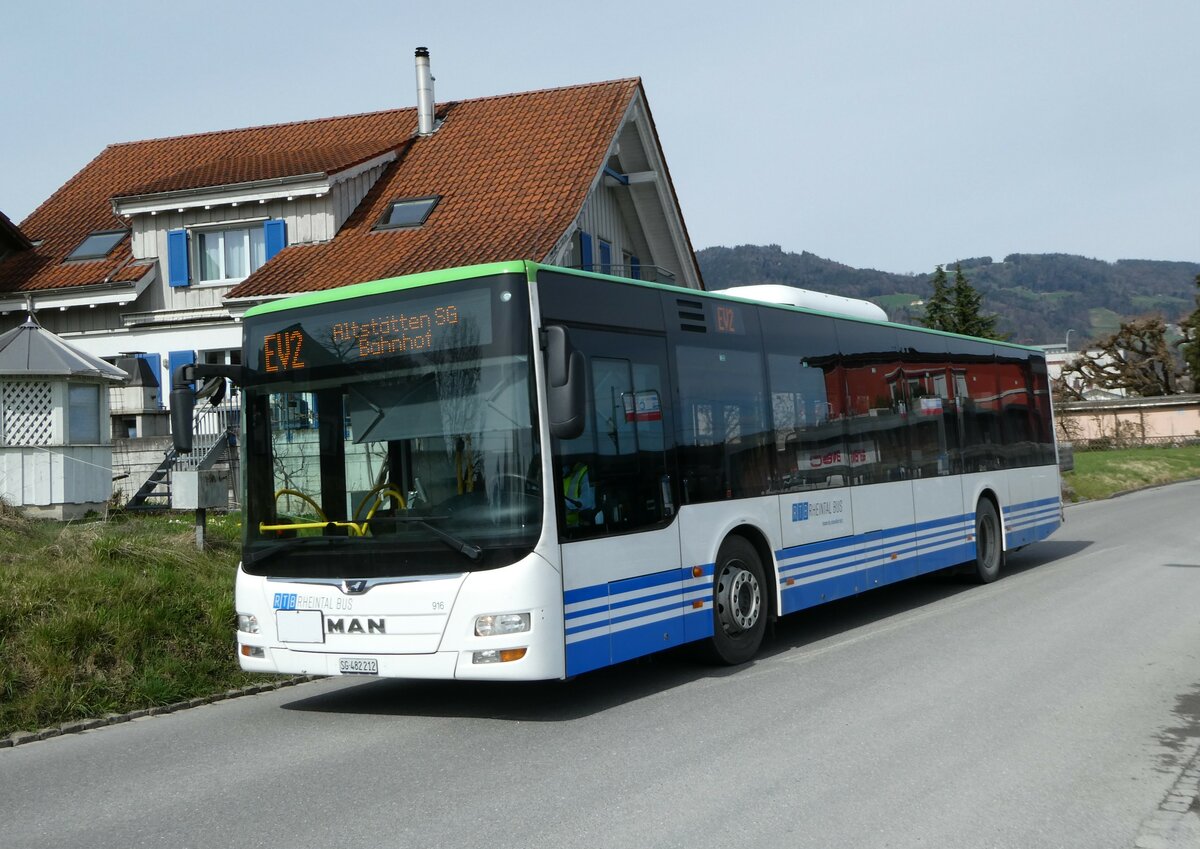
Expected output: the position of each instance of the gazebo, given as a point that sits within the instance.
(55, 448)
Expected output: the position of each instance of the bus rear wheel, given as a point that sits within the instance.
(739, 603)
(989, 543)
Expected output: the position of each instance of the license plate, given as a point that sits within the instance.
(358, 665)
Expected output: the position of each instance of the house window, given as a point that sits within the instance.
(97, 245)
(410, 212)
(232, 254)
(83, 414)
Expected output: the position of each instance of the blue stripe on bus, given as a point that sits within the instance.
(640, 614)
(1041, 502)
(617, 605)
(627, 584)
(585, 594)
(819, 572)
(946, 524)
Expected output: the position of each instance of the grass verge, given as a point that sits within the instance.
(1100, 474)
(112, 616)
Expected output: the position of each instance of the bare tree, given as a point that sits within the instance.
(1062, 393)
(1136, 359)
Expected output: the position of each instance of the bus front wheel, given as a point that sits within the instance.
(739, 603)
(989, 544)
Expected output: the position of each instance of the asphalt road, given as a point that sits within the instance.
(1058, 707)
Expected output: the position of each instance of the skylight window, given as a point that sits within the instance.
(97, 245)
(409, 212)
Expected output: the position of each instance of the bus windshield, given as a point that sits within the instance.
(381, 442)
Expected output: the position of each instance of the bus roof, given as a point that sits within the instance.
(530, 269)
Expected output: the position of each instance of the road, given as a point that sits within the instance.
(1057, 707)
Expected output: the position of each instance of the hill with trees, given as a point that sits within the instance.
(1037, 297)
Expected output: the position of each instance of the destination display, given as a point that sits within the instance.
(349, 333)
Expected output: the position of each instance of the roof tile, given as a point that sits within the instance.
(512, 172)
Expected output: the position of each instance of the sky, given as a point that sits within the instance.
(887, 134)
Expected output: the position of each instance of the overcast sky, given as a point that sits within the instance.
(882, 133)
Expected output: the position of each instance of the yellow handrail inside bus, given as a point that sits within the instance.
(381, 491)
(355, 528)
(298, 494)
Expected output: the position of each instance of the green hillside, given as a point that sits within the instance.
(1039, 297)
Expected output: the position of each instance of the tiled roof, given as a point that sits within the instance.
(266, 165)
(512, 172)
(83, 204)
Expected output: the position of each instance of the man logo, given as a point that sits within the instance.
(354, 587)
(355, 626)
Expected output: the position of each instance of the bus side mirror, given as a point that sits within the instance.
(183, 400)
(565, 384)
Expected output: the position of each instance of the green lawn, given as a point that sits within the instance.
(1100, 474)
(110, 616)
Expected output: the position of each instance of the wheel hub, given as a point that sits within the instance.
(739, 599)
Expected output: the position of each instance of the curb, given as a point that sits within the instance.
(18, 738)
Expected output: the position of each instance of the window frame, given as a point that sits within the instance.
(383, 225)
(206, 230)
(72, 423)
(92, 257)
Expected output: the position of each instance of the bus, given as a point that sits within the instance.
(514, 471)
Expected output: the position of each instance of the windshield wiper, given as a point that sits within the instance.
(468, 550)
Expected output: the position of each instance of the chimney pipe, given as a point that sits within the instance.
(425, 125)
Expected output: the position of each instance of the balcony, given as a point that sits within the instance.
(648, 273)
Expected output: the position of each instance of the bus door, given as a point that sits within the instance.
(933, 439)
(622, 580)
(876, 423)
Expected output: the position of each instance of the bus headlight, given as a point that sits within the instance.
(501, 623)
(247, 623)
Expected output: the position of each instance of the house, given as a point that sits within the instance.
(156, 248)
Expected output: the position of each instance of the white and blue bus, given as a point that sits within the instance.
(515, 471)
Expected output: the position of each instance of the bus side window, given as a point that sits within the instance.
(723, 426)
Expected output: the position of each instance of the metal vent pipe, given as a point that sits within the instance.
(425, 101)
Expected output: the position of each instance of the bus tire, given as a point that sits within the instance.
(739, 603)
(989, 542)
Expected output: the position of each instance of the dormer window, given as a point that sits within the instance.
(231, 254)
(97, 245)
(409, 212)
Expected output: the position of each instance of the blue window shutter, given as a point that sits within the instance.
(155, 362)
(177, 258)
(175, 359)
(275, 232)
(605, 257)
(585, 251)
(635, 268)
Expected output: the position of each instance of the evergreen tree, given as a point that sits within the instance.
(1189, 346)
(937, 308)
(965, 315)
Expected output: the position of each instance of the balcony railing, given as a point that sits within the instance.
(649, 273)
